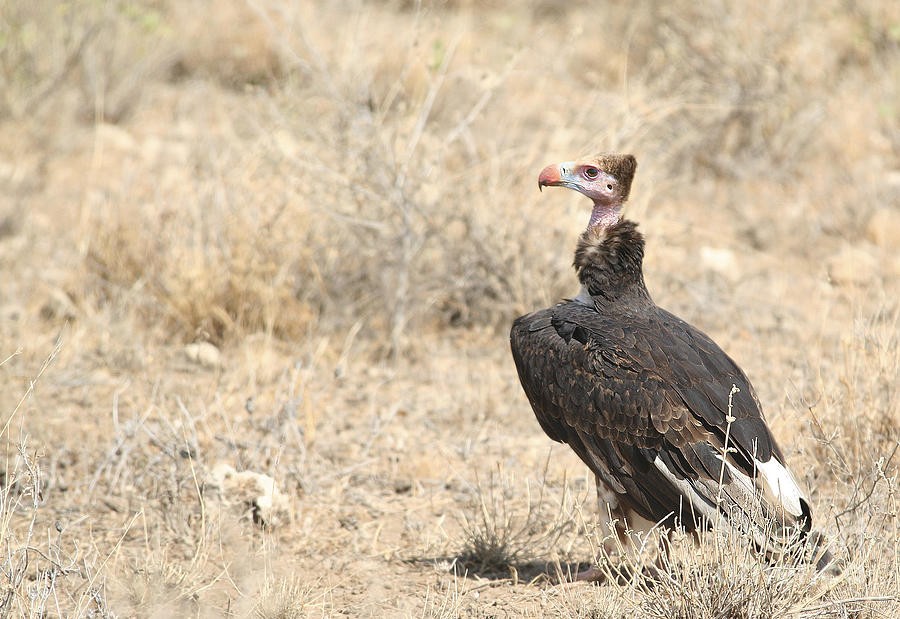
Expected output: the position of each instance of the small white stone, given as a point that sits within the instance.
(204, 353)
(243, 489)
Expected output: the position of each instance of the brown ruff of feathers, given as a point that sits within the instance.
(622, 167)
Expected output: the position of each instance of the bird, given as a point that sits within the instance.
(667, 422)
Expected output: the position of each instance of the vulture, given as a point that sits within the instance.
(666, 421)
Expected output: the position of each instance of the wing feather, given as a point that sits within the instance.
(644, 402)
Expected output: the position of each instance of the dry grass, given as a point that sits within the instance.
(721, 577)
(503, 536)
(340, 197)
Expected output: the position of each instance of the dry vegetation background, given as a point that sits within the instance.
(258, 260)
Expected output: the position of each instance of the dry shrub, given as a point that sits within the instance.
(856, 421)
(42, 570)
(104, 52)
(39, 48)
(159, 586)
(165, 578)
(388, 196)
(510, 527)
(380, 179)
(289, 598)
(20, 499)
(721, 576)
(226, 273)
(231, 41)
(128, 50)
(382, 216)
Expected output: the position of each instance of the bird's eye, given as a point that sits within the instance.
(591, 173)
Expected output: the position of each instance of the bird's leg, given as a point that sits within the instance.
(609, 562)
(595, 573)
(662, 563)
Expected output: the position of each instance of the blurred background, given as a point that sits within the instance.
(237, 166)
(277, 234)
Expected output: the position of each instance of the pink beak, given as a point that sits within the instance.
(549, 177)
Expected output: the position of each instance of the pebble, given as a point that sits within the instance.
(268, 505)
(204, 353)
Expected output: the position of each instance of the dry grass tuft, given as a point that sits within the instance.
(861, 445)
(721, 577)
(290, 598)
(505, 533)
(43, 570)
(231, 280)
(719, 574)
(20, 500)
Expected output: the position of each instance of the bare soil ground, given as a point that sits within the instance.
(258, 261)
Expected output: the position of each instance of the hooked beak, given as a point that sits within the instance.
(556, 175)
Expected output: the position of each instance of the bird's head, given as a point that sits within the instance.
(605, 179)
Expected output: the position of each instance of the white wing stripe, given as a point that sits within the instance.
(782, 484)
(687, 489)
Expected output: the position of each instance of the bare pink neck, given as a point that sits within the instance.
(605, 215)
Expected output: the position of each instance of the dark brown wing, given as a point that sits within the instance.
(570, 392)
(644, 399)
